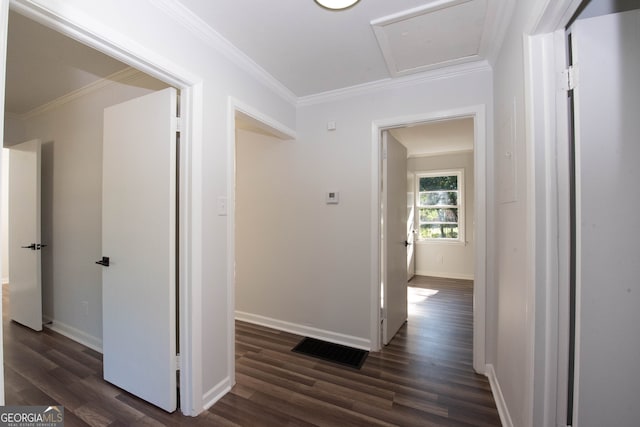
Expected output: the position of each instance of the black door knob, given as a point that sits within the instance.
(31, 246)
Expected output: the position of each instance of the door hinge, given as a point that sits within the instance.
(570, 78)
(178, 123)
(382, 314)
(178, 362)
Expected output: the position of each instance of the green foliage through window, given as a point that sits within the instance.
(438, 206)
(435, 183)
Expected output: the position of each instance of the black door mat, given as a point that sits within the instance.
(336, 353)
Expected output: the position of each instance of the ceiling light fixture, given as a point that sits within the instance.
(336, 4)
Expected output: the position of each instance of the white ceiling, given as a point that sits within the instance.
(43, 65)
(439, 137)
(306, 48)
(312, 50)
(435, 35)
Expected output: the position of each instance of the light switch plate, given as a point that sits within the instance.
(332, 197)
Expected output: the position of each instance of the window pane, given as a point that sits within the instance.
(435, 183)
(439, 198)
(438, 215)
(439, 231)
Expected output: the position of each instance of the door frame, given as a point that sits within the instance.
(277, 129)
(96, 36)
(477, 112)
(548, 169)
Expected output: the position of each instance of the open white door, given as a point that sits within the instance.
(394, 240)
(25, 273)
(606, 53)
(411, 221)
(138, 242)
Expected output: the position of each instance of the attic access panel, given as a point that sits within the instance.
(439, 34)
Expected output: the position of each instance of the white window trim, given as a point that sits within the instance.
(461, 206)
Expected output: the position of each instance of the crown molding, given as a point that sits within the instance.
(498, 30)
(202, 30)
(394, 83)
(126, 75)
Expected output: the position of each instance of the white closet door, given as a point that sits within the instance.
(25, 265)
(139, 238)
(607, 102)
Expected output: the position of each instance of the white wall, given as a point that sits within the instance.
(264, 211)
(13, 129)
(4, 216)
(159, 38)
(509, 349)
(448, 259)
(72, 206)
(315, 272)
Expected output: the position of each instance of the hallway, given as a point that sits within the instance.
(424, 377)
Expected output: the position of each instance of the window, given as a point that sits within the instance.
(440, 205)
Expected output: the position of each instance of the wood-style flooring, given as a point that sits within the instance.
(424, 377)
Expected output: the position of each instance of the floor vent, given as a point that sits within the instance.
(336, 353)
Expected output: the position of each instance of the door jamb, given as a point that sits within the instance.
(547, 165)
(478, 114)
(190, 186)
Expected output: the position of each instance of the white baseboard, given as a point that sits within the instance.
(216, 393)
(503, 411)
(306, 331)
(75, 334)
(444, 275)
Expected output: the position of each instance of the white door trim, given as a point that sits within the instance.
(547, 124)
(94, 34)
(477, 112)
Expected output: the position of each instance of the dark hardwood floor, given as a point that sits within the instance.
(424, 377)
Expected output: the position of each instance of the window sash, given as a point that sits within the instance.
(442, 200)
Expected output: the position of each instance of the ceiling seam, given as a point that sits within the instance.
(394, 83)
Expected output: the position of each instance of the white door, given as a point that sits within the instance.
(25, 274)
(394, 240)
(139, 240)
(607, 110)
(411, 221)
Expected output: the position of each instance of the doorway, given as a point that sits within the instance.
(184, 209)
(252, 138)
(477, 115)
